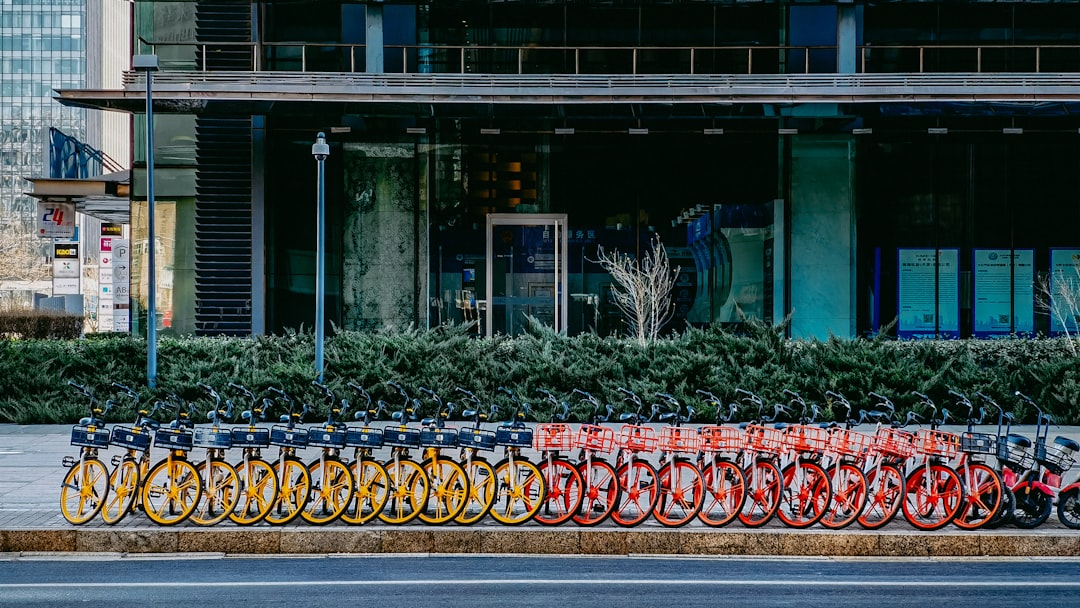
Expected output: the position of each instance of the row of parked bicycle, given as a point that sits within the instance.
(804, 473)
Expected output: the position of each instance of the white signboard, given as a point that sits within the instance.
(121, 283)
(56, 220)
(68, 287)
(66, 268)
(1004, 285)
(928, 292)
(121, 320)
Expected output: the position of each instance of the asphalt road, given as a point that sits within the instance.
(468, 582)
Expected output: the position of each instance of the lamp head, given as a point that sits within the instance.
(145, 63)
(320, 149)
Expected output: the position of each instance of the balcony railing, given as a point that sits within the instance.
(744, 59)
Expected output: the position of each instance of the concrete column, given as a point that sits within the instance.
(374, 38)
(847, 52)
(822, 273)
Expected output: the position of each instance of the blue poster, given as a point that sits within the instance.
(928, 293)
(1064, 291)
(1004, 286)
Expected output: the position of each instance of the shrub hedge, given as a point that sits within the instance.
(39, 324)
(34, 373)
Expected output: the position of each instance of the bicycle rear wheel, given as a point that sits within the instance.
(84, 491)
(848, 496)
(407, 492)
(481, 491)
(171, 492)
(600, 492)
(1069, 509)
(331, 490)
(221, 491)
(933, 497)
(258, 491)
(681, 494)
(1032, 508)
(763, 490)
(294, 489)
(982, 496)
(884, 496)
(564, 491)
(370, 494)
(806, 496)
(123, 490)
(725, 493)
(519, 493)
(637, 483)
(449, 491)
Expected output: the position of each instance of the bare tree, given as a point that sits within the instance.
(20, 254)
(1059, 294)
(642, 289)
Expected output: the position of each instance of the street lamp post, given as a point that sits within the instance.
(148, 64)
(320, 150)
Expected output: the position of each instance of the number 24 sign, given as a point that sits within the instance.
(56, 220)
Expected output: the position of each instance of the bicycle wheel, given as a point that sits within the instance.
(171, 492)
(932, 498)
(682, 492)
(519, 492)
(84, 491)
(221, 491)
(725, 493)
(1069, 509)
(982, 496)
(763, 490)
(258, 491)
(1004, 514)
(408, 491)
(449, 491)
(294, 489)
(331, 490)
(884, 496)
(848, 496)
(481, 491)
(1032, 508)
(600, 492)
(637, 484)
(369, 496)
(123, 490)
(806, 496)
(564, 492)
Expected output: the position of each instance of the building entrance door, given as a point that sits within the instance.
(526, 271)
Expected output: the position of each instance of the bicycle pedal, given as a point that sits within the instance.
(68, 461)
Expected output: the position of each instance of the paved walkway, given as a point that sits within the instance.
(30, 520)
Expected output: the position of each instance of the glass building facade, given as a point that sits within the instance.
(742, 135)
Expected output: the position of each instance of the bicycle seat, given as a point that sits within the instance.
(667, 416)
(828, 425)
(428, 421)
(1067, 443)
(151, 424)
(780, 426)
(1019, 440)
(743, 425)
(627, 416)
(468, 413)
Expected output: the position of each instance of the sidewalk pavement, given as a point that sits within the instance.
(30, 521)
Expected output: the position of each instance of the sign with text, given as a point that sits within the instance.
(56, 220)
(928, 293)
(67, 269)
(1064, 291)
(121, 276)
(1004, 292)
(112, 229)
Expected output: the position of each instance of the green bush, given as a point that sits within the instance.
(34, 373)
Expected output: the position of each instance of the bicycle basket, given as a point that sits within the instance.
(478, 439)
(401, 437)
(720, 439)
(849, 443)
(250, 438)
(978, 443)
(680, 439)
(285, 437)
(439, 438)
(894, 443)
(1056, 460)
(130, 438)
(364, 437)
(764, 439)
(210, 437)
(937, 443)
(326, 437)
(807, 439)
(553, 437)
(514, 437)
(174, 439)
(637, 438)
(1016, 456)
(595, 438)
(90, 436)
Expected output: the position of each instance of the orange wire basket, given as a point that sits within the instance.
(849, 443)
(553, 437)
(764, 439)
(637, 438)
(893, 442)
(596, 438)
(680, 439)
(721, 439)
(807, 439)
(937, 443)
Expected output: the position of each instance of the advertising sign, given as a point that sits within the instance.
(56, 220)
(1004, 286)
(67, 269)
(1064, 290)
(928, 293)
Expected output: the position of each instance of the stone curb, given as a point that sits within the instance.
(557, 542)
